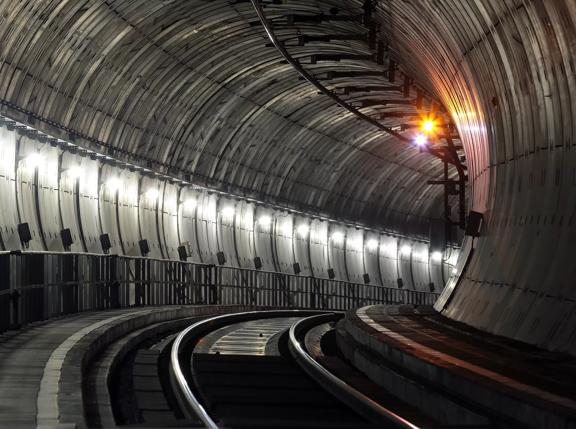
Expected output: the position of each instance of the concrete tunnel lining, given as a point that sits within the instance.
(195, 90)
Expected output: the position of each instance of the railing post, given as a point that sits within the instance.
(14, 296)
(213, 283)
(39, 285)
(113, 285)
(6, 292)
(68, 279)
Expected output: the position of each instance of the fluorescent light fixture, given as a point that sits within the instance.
(248, 222)
(114, 183)
(190, 203)
(337, 237)
(75, 171)
(152, 194)
(420, 140)
(265, 220)
(228, 211)
(287, 228)
(355, 244)
(372, 244)
(34, 160)
(436, 256)
(303, 230)
(388, 249)
(422, 256)
(406, 250)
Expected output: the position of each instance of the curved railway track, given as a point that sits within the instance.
(257, 370)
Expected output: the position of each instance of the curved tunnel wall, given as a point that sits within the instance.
(506, 72)
(170, 85)
(190, 88)
(51, 189)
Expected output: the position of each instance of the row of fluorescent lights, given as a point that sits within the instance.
(337, 237)
(228, 212)
(113, 184)
(36, 159)
(152, 194)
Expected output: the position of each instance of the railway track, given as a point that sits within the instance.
(257, 370)
(266, 369)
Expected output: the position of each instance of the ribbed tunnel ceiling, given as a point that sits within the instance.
(195, 88)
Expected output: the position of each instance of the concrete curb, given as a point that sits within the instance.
(60, 398)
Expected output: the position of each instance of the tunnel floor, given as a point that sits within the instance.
(452, 373)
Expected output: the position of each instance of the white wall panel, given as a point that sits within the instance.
(337, 251)
(187, 223)
(48, 204)
(110, 184)
(151, 195)
(435, 266)
(301, 245)
(388, 257)
(263, 232)
(89, 205)
(420, 268)
(319, 248)
(245, 234)
(284, 242)
(30, 158)
(405, 250)
(128, 196)
(9, 213)
(355, 254)
(207, 221)
(71, 173)
(168, 211)
(226, 222)
(371, 262)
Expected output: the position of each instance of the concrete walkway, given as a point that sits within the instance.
(40, 366)
(23, 358)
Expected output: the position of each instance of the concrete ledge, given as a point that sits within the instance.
(96, 383)
(505, 398)
(60, 398)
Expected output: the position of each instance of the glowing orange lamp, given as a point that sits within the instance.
(428, 126)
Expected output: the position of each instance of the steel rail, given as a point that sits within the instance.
(311, 79)
(189, 403)
(340, 389)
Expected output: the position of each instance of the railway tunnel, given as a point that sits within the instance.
(371, 200)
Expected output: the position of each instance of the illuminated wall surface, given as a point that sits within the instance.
(506, 71)
(190, 86)
(52, 189)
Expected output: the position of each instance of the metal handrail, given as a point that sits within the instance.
(190, 405)
(237, 269)
(76, 282)
(340, 389)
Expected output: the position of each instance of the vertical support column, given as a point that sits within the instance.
(110, 269)
(8, 296)
(447, 219)
(69, 279)
(214, 277)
